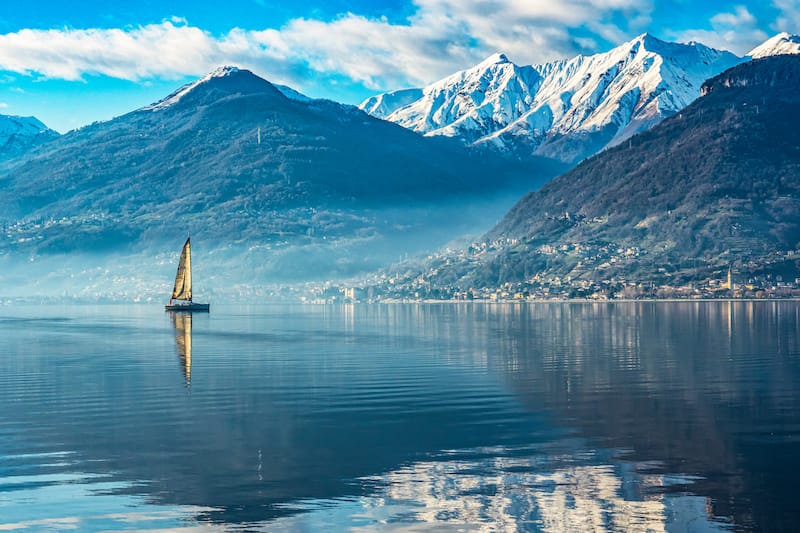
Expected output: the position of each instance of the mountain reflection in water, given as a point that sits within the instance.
(547, 417)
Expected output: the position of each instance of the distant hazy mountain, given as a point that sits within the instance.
(281, 188)
(383, 105)
(292, 94)
(715, 185)
(18, 134)
(566, 109)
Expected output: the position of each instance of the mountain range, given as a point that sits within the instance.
(568, 109)
(278, 188)
(711, 188)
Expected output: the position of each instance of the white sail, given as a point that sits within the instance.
(183, 278)
(181, 299)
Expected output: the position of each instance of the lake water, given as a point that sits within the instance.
(450, 417)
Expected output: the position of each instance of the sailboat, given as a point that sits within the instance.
(181, 299)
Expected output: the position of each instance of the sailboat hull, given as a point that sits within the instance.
(190, 306)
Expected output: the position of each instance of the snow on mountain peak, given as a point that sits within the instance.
(221, 72)
(647, 40)
(494, 59)
(568, 108)
(782, 43)
(223, 80)
(588, 101)
(292, 94)
(383, 105)
(470, 104)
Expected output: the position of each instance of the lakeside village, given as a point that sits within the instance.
(413, 285)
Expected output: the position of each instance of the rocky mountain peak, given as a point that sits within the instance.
(221, 82)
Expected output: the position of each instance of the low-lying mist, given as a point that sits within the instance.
(58, 262)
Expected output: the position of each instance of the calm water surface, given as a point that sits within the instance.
(545, 417)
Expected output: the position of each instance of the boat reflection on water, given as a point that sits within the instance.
(182, 322)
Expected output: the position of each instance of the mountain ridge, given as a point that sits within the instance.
(18, 134)
(224, 81)
(567, 109)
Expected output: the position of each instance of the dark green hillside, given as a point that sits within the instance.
(155, 159)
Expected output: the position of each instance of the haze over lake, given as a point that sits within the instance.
(531, 417)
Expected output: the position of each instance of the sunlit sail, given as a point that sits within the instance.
(183, 278)
(181, 299)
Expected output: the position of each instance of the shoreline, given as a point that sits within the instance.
(580, 300)
(10, 302)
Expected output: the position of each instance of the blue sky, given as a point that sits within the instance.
(71, 63)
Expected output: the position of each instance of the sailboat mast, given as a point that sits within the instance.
(189, 268)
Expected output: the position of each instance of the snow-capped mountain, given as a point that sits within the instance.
(292, 94)
(224, 81)
(220, 79)
(17, 134)
(692, 181)
(783, 43)
(383, 105)
(471, 104)
(568, 109)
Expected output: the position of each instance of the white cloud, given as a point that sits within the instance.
(441, 36)
(3, 105)
(741, 16)
(789, 18)
(735, 30)
(148, 51)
